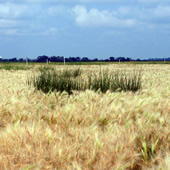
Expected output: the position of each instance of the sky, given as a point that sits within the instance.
(85, 28)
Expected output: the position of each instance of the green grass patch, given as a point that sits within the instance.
(49, 80)
(14, 67)
(117, 81)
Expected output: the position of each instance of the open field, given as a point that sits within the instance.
(85, 130)
(31, 64)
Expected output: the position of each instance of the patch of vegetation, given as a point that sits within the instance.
(51, 80)
(118, 81)
(45, 68)
(14, 67)
(68, 80)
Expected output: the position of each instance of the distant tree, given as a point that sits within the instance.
(78, 59)
(60, 58)
(21, 60)
(13, 59)
(121, 59)
(42, 58)
(53, 59)
(85, 59)
(128, 59)
(72, 59)
(95, 60)
(112, 59)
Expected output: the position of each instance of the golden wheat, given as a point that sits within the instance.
(86, 130)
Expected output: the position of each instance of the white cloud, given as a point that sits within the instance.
(19, 17)
(5, 23)
(14, 10)
(94, 17)
(57, 10)
(87, 1)
(161, 11)
(51, 31)
(26, 32)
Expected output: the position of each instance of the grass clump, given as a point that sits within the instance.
(66, 73)
(117, 81)
(127, 81)
(68, 80)
(50, 80)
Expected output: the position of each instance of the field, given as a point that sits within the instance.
(87, 129)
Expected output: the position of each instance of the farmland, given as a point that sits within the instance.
(87, 129)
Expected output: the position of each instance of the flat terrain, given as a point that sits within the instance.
(87, 130)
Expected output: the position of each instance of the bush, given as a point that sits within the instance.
(67, 80)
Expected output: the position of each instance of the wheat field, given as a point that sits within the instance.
(85, 130)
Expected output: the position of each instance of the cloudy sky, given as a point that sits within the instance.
(85, 28)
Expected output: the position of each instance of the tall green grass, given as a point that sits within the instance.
(49, 80)
(117, 81)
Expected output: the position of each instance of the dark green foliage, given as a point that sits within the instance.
(51, 80)
(127, 81)
(69, 80)
(76, 72)
(100, 82)
(118, 81)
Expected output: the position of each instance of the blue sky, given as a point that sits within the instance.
(85, 28)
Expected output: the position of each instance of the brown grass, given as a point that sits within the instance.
(86, 130)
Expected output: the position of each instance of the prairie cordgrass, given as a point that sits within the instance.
(86, 130)
(50, 80)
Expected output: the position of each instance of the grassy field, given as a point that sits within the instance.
(30, 64)
(88, 129)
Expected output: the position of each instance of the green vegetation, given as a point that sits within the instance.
(117, 81)
(103, 63)
(49, 80)
(14, 67)
(82, 63)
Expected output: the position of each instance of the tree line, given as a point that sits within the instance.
(45, 58)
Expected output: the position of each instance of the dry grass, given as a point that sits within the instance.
(86, 130)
